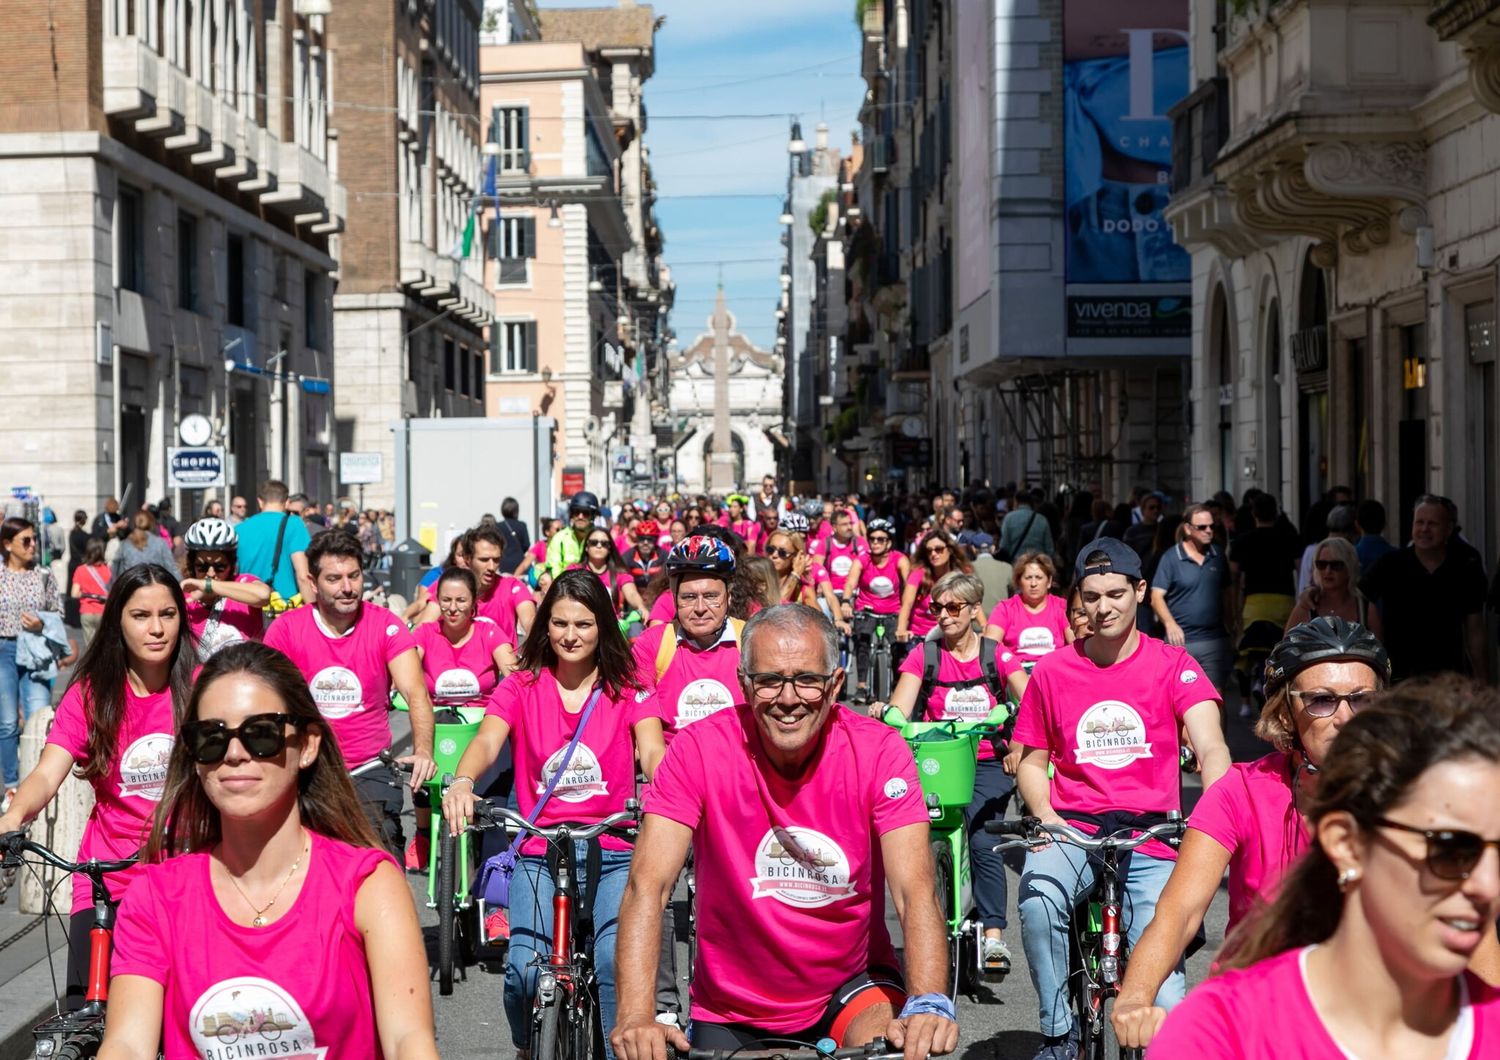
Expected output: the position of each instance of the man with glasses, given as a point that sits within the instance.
(566, 546)
(237, 511)
(1192, 596)
(800, 813)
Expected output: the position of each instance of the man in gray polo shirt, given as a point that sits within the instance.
(1192, 596)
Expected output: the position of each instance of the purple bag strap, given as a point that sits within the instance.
(536, 811)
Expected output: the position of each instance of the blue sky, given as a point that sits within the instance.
(717, 57)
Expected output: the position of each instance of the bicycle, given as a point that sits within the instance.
(878, 1049)
(78, 1034)
(946, 754)
(564, 1012)
(879, 629)
(1097, 953)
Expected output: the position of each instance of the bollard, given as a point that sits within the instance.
(59, 826)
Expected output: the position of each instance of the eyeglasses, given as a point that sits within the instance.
(937, 550)
(1452, 853)
(808, 686)
(598, 544)
(779, 552)
(261, 735)
(954, 610)
(1325, 704)
(687, 600)
(1202, 526)
(26, 542)
(879, 539)
(212, 564)
(1328, 564)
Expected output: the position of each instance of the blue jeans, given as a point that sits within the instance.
(993, 787)
(21, 696)
(531, 892)
(1051, 884)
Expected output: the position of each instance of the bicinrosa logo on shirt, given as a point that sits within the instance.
(701, 698)
(840, 565)
(143, 767)
(1110, 735)
(882, 586)
(216, 640)
(1035, 640)
(251, 1017)
(971, 702)
(456, 684)
(800, 868)
(337, 691)
(581, 781)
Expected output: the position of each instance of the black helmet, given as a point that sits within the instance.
(583, 501)
(1324, 639)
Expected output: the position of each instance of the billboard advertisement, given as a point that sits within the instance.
(1124, 66)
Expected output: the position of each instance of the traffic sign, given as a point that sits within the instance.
(359, 469)
(195, 468)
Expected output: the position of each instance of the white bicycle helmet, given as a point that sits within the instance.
(792, 522)
(211, 535)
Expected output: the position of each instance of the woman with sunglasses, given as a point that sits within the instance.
(937, 555)
(1363, 952)
(872, 585)
(785, 551)
(115, 726)
(1333, 592)
(579, 655)
(961, 691)
(223, 605)
(1253, 821)
(27, 591)
(267, 898)
(1033, 622)
(601, 559)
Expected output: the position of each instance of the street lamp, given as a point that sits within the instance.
(553, 221)
(796, 145)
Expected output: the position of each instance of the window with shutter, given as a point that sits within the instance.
(509, 127)
(512, 241)
(513, 347)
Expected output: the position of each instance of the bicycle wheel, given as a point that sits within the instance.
(545, 1040)
(585, 1034)
(942, 878)
(447, 913)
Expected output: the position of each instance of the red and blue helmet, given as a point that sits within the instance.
(700, 554)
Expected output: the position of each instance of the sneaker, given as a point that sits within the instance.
(994, 958)
(1064, 1047)
(496, 926)
(417, 853)
(10, 796)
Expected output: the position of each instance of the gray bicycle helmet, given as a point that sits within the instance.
(1324, 639)
(211, 535)
(881, 526)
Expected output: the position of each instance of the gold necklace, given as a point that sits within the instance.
(260, 914)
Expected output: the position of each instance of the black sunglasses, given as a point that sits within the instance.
(1328, 564)
(777, 550)
(934, 609)
(212, 564)
(262, 735)
(1451, 853)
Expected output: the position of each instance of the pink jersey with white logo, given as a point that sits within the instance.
(820, 535)
(1032, 635)
(922, 622)
(838, 556)
(500, 605)
(349, 676)
(224, 622)
(964, 704)
(791, 889)
(880, 585)
(468, 671)
(612, 580)
(601, 774)
(1112, 732)
(1250, 812)
(125, 799)
(749, 529)
(1264, 1012)
(298, 987)
(696, 683)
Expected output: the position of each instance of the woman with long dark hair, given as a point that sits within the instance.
(576, 679)
(937, 555)
(26, 591)
(267, 894)
(1363, 952)
(115, 727)
(602, 559)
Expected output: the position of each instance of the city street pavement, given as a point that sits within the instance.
(1000, 1025)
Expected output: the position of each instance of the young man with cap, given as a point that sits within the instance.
(1105, 713)
(566, 546)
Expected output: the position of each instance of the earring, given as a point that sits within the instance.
(306, 762)
(1346, 878)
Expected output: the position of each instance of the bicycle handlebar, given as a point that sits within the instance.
(991, 723)
(14, 844)
(489, 815)
(879, 1049)
(1030, 829)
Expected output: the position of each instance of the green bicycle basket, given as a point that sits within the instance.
(449, 742)
(946, 769)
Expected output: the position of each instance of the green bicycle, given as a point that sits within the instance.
(946, 753)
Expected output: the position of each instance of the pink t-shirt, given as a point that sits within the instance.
(126, 798)
(501, 604)
(538, 552)
(665, 608)
(1028, 634)
(298, 987)
(696, 683)
(1264, 1012)
(879, 585)
(821, 534)
(922, 622)
(1250, 812)
(791, 888)
(749, 529)
(349, 676)
(840, 557)
(973, 703)
(601, 774)
(454, 673)
(816, 576)
(227, 622)
(1113, 732)
(612, 581)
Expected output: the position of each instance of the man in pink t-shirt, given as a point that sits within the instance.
(352, 653)
(841, 549)
(1105, 713)
(799, 813)
(503, 599)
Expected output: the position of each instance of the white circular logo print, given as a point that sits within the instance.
(840, 565)
(895, 788)
(1110, 735)
(1187, 677)
(800, 868)
(448, 746)
(701, 698)
(972, 703)
(392, 630)
(930, 766)
(212, 641)
(1035, 640)
(250, 1016)
(143, 767)
(882, 586)
(581, 781)
(456, 684)
(337, 692)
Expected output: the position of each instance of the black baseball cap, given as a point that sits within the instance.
(1122, 559)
